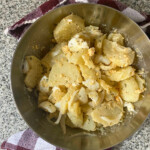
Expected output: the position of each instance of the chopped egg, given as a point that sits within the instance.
(43, 85)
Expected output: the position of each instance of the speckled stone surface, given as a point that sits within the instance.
(10, 120)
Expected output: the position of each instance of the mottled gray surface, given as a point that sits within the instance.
(10, 120)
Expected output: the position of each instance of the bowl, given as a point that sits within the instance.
(37, 41)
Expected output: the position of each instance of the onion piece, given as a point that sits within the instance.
(58, 119)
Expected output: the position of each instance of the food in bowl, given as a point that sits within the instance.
(87, 79)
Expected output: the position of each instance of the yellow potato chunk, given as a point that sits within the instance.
(82, 95)
(56, 95)
(108, 113)
(129, 90)
(75, 57)
(119, 55)
(75, 108)
(96, 97)
(63, 104)
(107, 67)
(120, 74)
(75, 114)
(88, 124)
(88, 61)
(69, 123)
(47, 106)
(116, 37)
(53, 55)
(105, 85)
(109, 97)
(34, 73)
(68, 27)
(141, 83)
(87, 73)
(105, 78)
(86, 108)
(73, 98)
(93, 95)
(64, 73)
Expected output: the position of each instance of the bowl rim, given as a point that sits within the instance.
(22, 38)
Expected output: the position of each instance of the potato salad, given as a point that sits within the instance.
(87, 79)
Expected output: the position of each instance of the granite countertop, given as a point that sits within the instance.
(10, 120)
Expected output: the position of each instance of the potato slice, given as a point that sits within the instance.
(93, 95)
(120, 74)
(107, 67)
(73, 98)
(109, 97)
(84, 56)
(88, 124)
(108, 113)
(129, 90)
(64, 73)
(76, 121)
(69, 122)
(86, 108)
(141, 83)
(116, 37)
(106, 79)
(75, 108)
(96, 97)
(82, 95)
(53, 55)
(88, 60)
(56, 95)
(68, 27)
(119, 55)
(75, 57)
(87, 73)
(75, 114)
(47, 106)
(105, 86)
(63, 104)
(34, 73)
